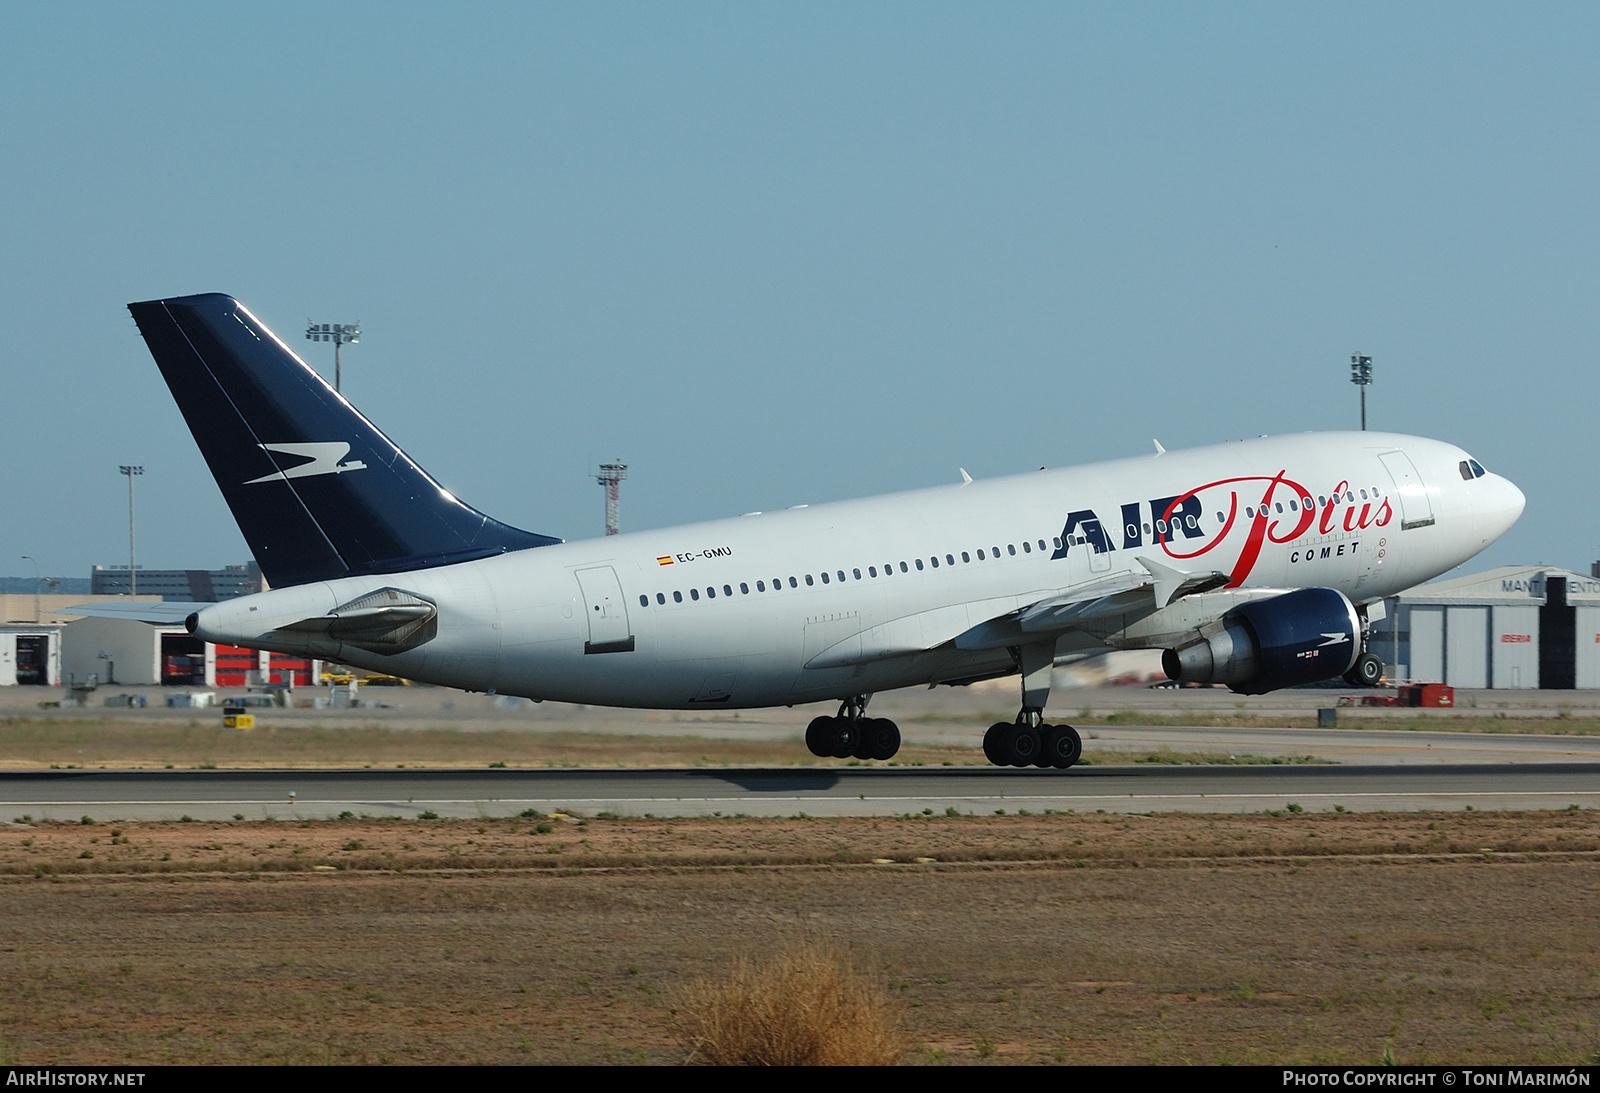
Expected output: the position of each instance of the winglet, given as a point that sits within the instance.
(966, 479)
(1159, 449)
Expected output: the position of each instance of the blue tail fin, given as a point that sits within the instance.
(317, 490)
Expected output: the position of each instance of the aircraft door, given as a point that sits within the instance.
(1416, 508)
(609, 629)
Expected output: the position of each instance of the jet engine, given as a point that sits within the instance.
(1299, 637)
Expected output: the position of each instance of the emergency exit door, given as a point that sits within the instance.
(609, 629)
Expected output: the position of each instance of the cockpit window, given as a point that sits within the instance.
(1466, 471)
(1477, 468)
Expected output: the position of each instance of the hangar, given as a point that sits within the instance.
(1515, 627)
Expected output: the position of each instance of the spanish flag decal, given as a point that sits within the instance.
(665, 559)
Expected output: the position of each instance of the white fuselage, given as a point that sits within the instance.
(854, 597)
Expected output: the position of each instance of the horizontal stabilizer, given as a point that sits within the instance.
(167, 613)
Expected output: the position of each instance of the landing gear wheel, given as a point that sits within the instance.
(880, 738)
(1061, 747)
(992, 746)
(842, 735)
(817, 737)
(1367, 671)
(1020, 745)
(863, 748)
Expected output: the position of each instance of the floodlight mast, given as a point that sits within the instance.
(133, 574)
(1361, 376)
(611, 476)
(340, 334)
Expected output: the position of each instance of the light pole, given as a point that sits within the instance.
(1361, 376)
(36, 582)
(133, 574)
(340, 334)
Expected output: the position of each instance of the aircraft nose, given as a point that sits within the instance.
(1506, 506)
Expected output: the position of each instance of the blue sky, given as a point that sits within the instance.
(771, 254)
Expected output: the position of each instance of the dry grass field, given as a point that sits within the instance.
(1461, 937)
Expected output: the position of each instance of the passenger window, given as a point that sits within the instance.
(980, 554)
(677, 597)
(711, 593)
(660, 598)
(644, 601)
(995, 551)
(903, 567)
(1221, 518)
(824, 576)
(694, 594)
(796, 584)
(1363, 495)
(727, 590)
(841, 576)
(1011, 549)
(965, 557)
(919, 563)
(935, 561)
(857, 572)
(1027, 547)
(761, 586)
(809, 581)
(1041, 544)
(872, 571)
(1147, 529)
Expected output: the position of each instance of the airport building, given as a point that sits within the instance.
(130, 653)
(1515, 627)
(30, 654)
(182, 585)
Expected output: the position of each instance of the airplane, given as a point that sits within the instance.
(1259, 564)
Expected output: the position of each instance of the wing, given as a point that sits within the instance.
(1102, 606)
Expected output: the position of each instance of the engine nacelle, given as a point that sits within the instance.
(1299, 637)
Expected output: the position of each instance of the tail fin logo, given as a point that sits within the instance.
(324, 456)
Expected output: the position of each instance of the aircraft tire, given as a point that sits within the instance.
(1062, 747)
(1020, 745)
(863, 748)
(1367, 671)
(817, 738)
(842, 735)
(880, 738)
(991, 743)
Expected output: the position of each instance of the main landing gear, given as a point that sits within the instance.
(1028, 742)
(851, 734)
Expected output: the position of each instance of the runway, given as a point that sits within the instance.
(298, 795)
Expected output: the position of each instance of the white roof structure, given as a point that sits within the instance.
(1507, 584)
